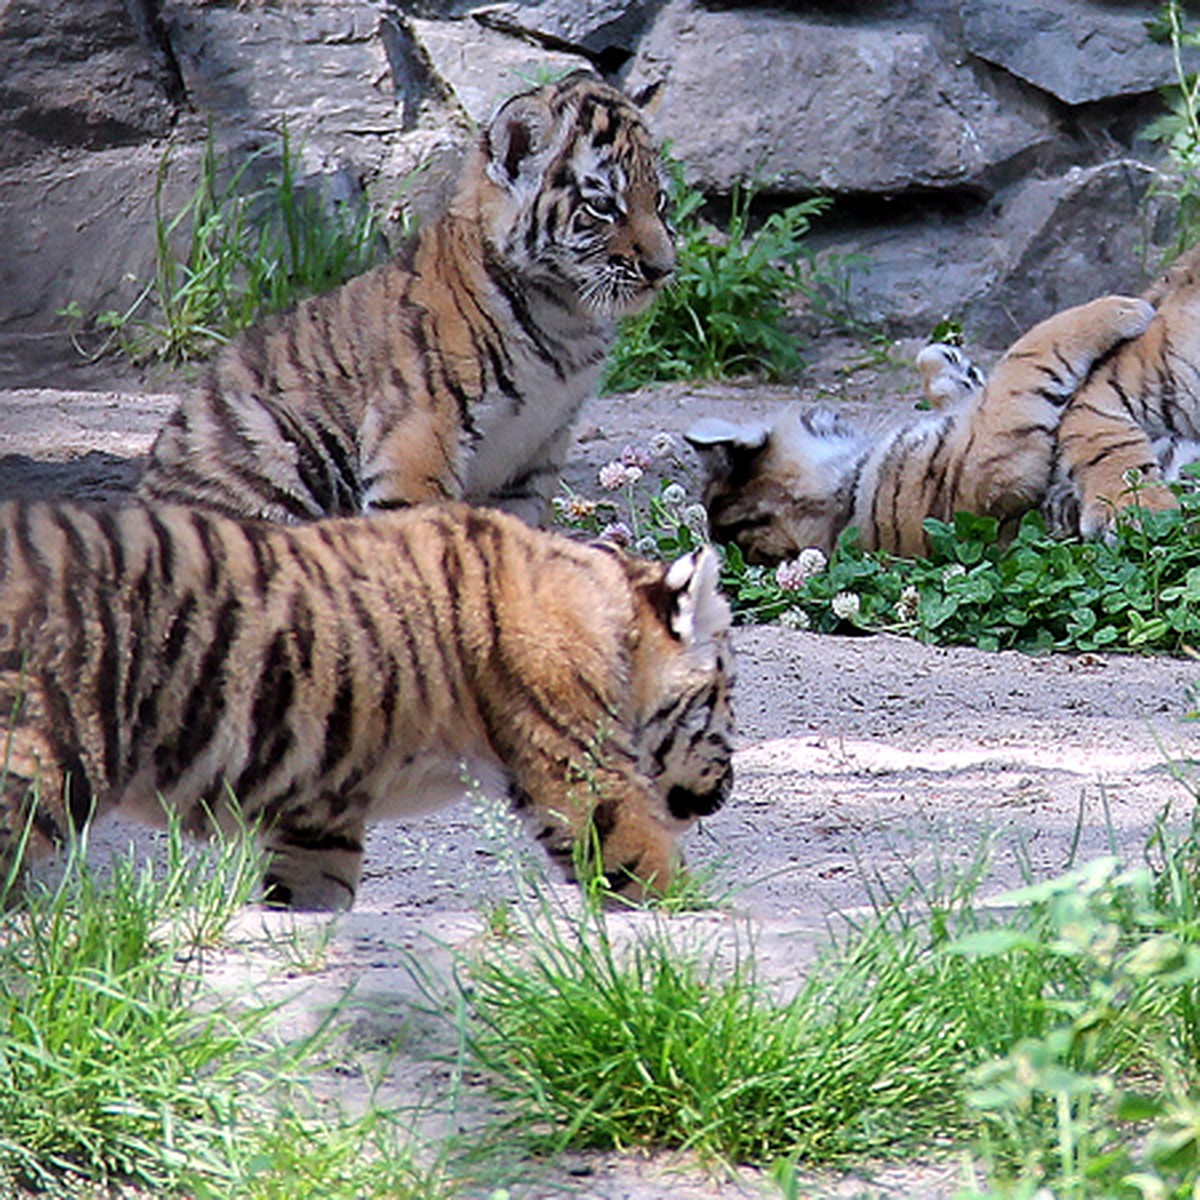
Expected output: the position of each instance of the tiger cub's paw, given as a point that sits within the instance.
(1124, 317)
(948, 376)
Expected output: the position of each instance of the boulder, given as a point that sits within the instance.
(77, 73)
(1075, 50)
(1001, 267)
(818, 106)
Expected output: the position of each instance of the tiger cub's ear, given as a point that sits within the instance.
(698, 613)
(516, 139)
(726, 448)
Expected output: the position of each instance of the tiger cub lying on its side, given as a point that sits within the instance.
(331, 674)
(775, 490)
(455, 370)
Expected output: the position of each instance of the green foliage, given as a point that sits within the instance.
(1178, 129)
(1138, 591)
(592, 1044)
(1053, 1029)
(234, 253)
(723, 314)
(118, 1066)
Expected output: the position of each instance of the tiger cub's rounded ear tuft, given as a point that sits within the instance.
(516, 137)
(724, 445)
(699, 614)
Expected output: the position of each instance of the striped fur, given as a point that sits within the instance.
(331, 674)
(455, 370)
(774, 490)
(1140, 411)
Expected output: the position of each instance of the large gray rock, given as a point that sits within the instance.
(814, 106)
(77, 73)
(604, 29)
(478, 66)
(1075, 50)
(1048, 244)
(320, 68)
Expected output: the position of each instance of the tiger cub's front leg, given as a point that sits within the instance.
(604, 814)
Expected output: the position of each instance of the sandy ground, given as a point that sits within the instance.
(863, 763)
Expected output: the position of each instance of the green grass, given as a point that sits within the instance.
(723, 314)
(233, 253)
(1050, 1034)
(119, 1067)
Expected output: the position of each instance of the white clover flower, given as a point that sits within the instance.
(909, 604)
(674, 494)
(635, 456)
(846, 606)
(797, 571)
(953, 571)
(794, 618)
(662, 444)
(695, 517)
(618, 533)
(615, 475)
(812, 561)
(645, 546)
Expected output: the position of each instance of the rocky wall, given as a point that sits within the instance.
(984, 155)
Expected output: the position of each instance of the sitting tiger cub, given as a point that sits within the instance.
(331, 674)
(776, 490)
(455, 370)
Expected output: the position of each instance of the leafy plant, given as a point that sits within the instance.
(722, 315)
(233, 253)
(1138, 591)
(1178, 129)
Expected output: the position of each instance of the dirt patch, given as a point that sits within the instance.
(863, 763)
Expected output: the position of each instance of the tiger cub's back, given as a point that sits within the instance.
(332, 674)
(455, 370)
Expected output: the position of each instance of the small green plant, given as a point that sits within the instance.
(660, 524)
(722, 315)
(233, 253)
(1140, 590)
(1178, 129)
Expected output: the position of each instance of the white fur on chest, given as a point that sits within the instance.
(519, 433)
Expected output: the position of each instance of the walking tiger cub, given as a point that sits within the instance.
(776, 490)
(455, 370)
(331, 674)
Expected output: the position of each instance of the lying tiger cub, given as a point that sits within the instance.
(774, 490)
(331, 674)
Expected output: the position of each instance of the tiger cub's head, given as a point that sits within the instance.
(574, 196)
(682, 680)
(774, 490)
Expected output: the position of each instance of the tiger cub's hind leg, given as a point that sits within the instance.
(1021, 410)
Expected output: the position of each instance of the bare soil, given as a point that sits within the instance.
(864, 763)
